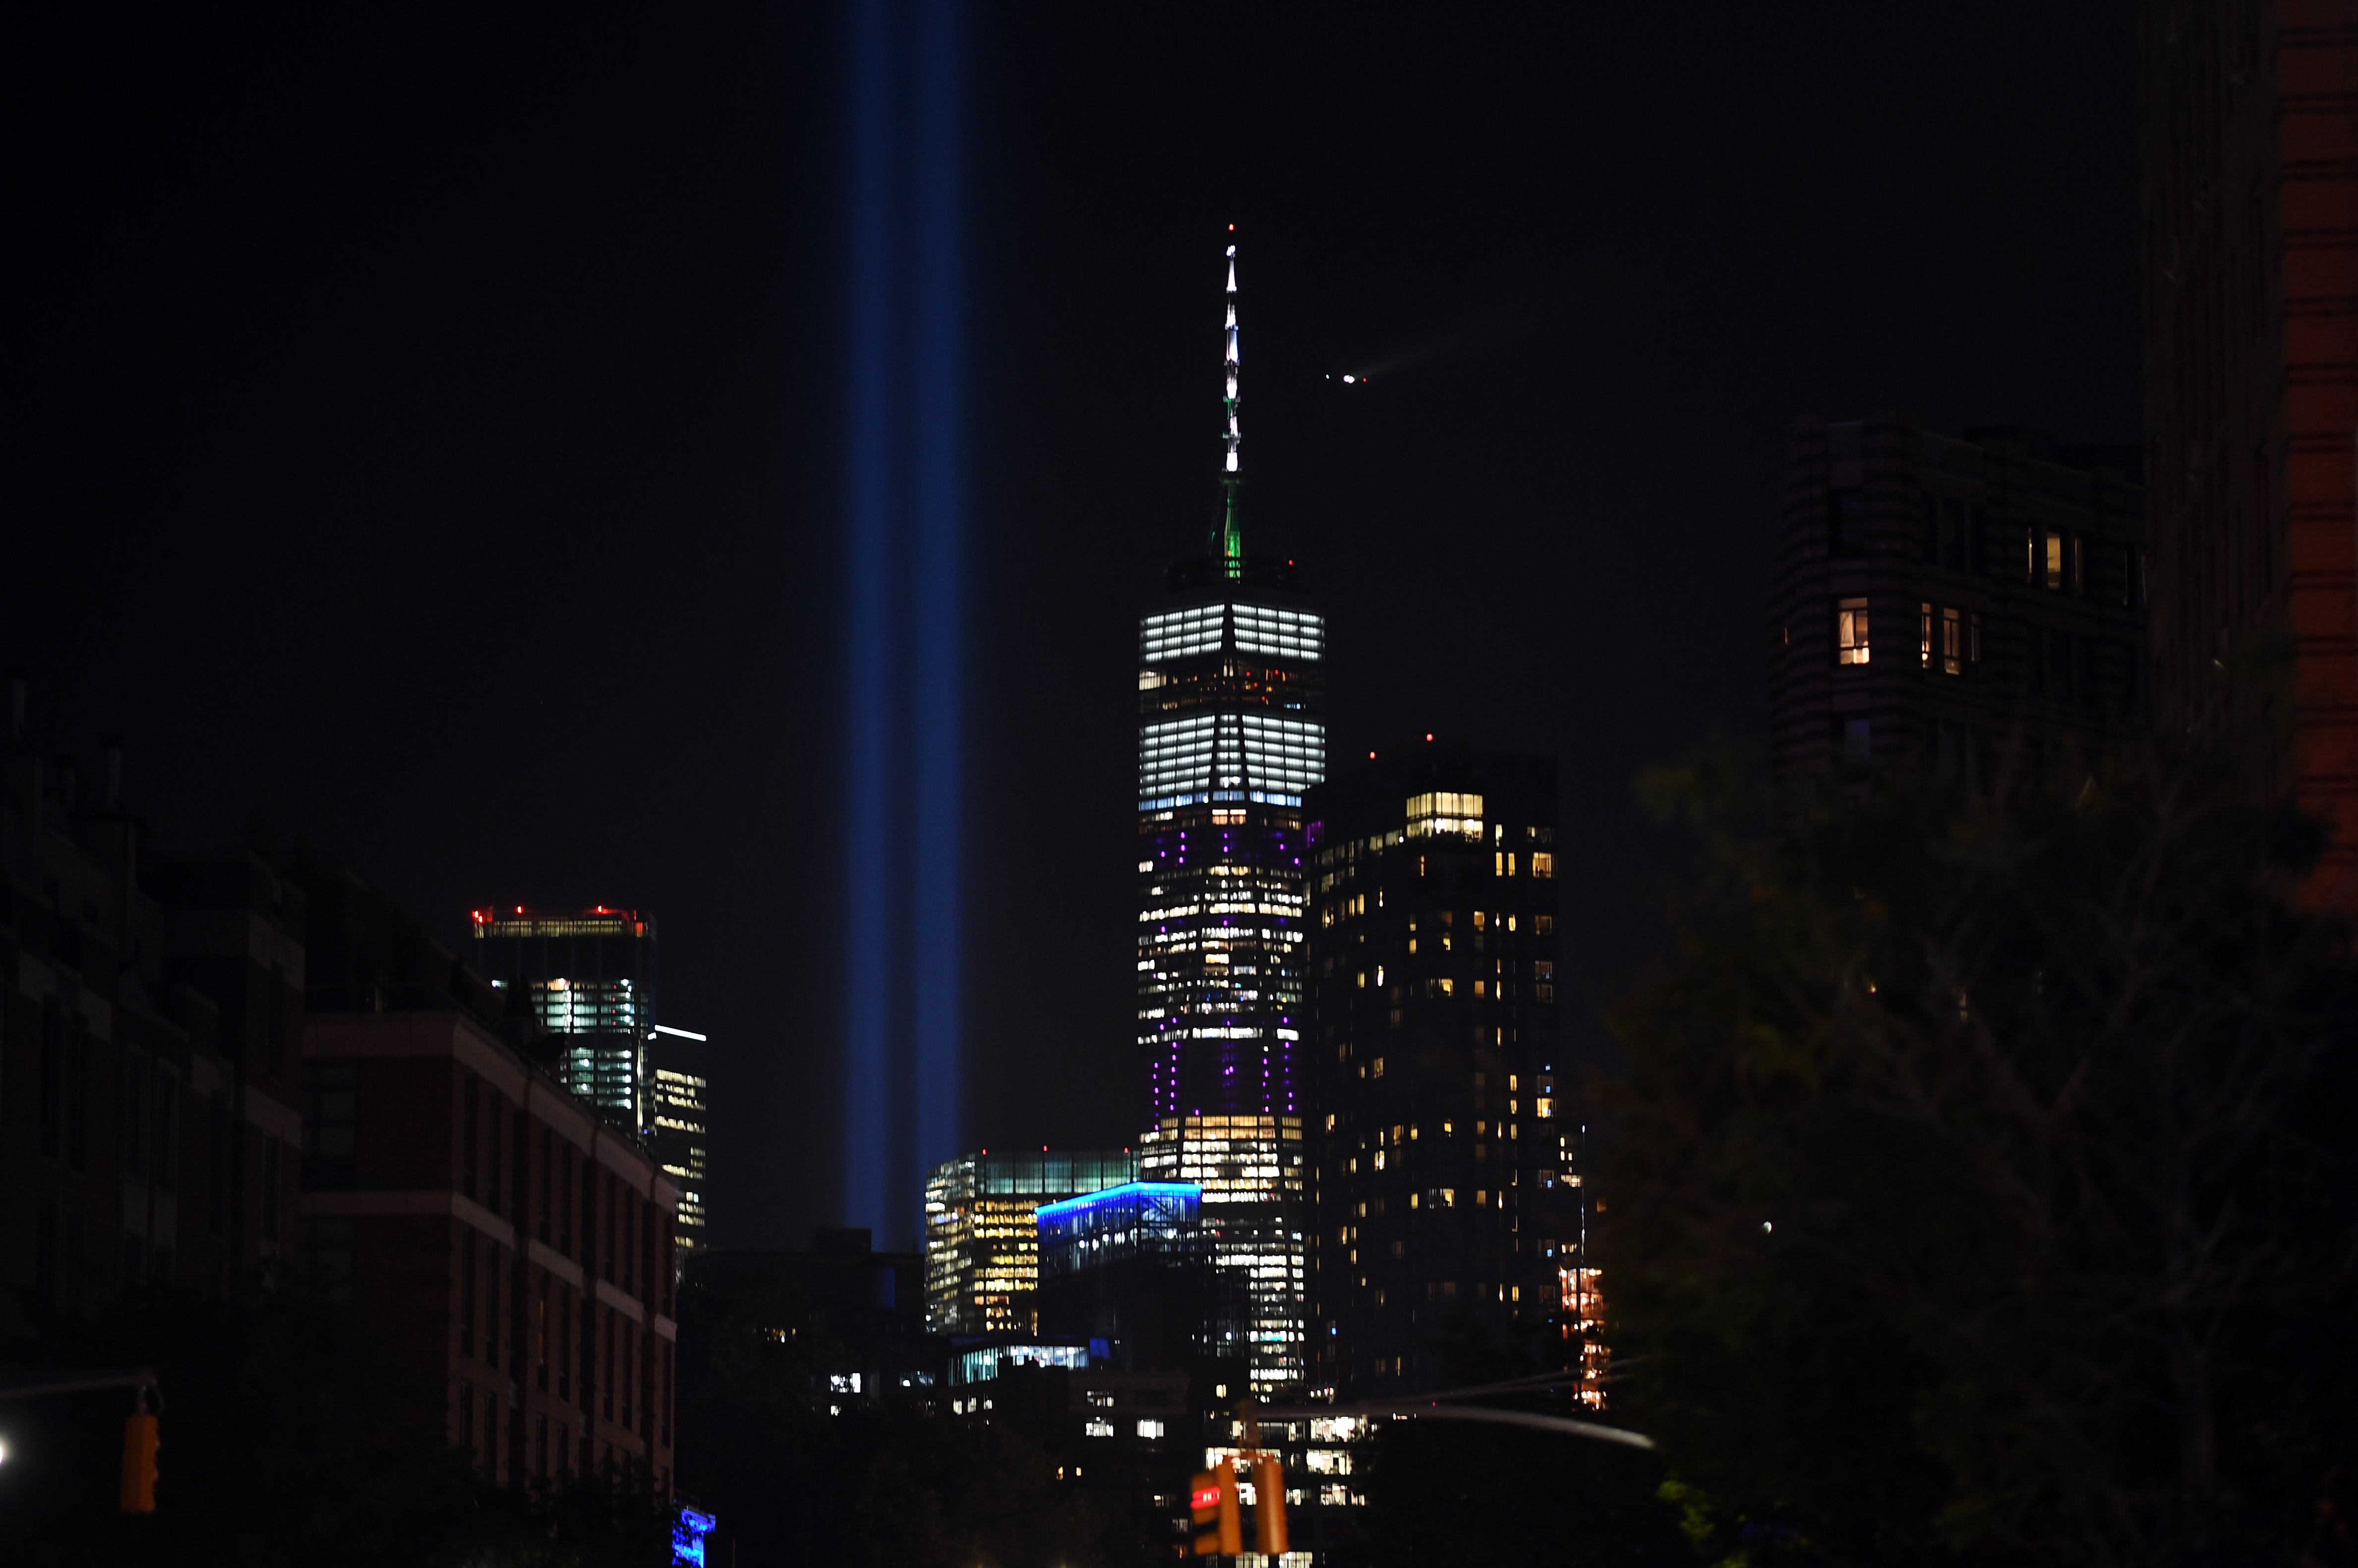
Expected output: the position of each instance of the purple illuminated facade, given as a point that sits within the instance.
(1230, 735)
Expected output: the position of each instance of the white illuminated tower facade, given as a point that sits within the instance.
(1231, 733)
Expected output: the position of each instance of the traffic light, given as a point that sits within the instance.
(139, 1444)
(1214, 1497)
(1268, 1506)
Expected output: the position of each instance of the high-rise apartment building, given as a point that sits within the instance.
(589, 979)
(1232, 735)
(679, 1136)
(1971, 604)
(2250, 197)
(1447, 1185)
(982, 1235)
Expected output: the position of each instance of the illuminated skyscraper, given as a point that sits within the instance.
(1230, 734)
(589, 980)
(679, 1098)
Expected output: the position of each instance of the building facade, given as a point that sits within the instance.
(1972, 605)
(1447, 1188)
(590, 980)
(505, 1239)
(2249, 147)
(679, 1136)
(982, 1238)
(1232, 735)
(151, 1017)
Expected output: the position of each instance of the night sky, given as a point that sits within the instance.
(424, 434)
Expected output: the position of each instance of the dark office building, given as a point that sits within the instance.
(151, 1017)
(853, 1318)
(1969, 604)
(1446, 1188)
(1231, 733)
(2250, 195)
(589, 980)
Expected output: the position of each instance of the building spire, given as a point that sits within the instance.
(1228, 537)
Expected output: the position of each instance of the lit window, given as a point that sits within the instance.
(1150, 1429)
(1098, 1427)
(1952, 642)
(2055, 562)
(1542, 863)
(1924, 635)
(1850, 631)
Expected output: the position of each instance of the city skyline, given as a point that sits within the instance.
(1640, 931)
(337, 593)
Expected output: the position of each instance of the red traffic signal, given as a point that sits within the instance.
(1213, 1497)
(139, 1445)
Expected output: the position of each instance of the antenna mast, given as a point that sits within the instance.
(1227, 538)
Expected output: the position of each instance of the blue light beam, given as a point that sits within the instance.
(903, 838)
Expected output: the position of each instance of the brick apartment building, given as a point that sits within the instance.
(217, 1074)
(495, 1229)
(505, 1238)
(150, 1029)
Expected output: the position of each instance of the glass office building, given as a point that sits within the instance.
(589, 980)
(1134, 1220)
(679, 1093)
(982, 1232)
(1232, 734)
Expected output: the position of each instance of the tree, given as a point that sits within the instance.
(1981, 1184)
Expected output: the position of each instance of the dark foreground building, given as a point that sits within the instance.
(2250, 195)
(1966, 604)
(1446, 1193)
(151, 1017)
(854, 1316)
